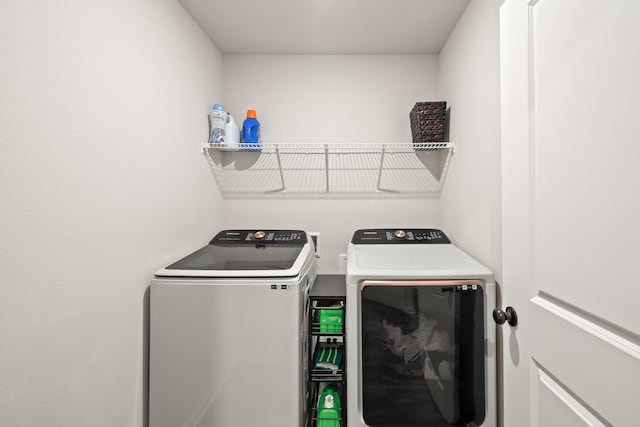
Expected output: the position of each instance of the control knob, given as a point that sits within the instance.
(400, 234)
(260, 235)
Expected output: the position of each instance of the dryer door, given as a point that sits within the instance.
(422, 353)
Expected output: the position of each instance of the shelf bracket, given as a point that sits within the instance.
(280, 169)
(326, 167)
(380, 169)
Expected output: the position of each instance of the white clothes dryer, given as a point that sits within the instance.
(226, 329)
(422, 343)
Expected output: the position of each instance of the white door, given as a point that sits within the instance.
(570, 73)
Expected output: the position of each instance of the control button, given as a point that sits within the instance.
(400, 234)
(259, 235)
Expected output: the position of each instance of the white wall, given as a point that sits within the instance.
(470, 81)
(102, 109)
(330, 98)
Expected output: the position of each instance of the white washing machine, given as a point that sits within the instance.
(422, 342)
(226, 332)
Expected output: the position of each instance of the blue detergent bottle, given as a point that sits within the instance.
(251, 129)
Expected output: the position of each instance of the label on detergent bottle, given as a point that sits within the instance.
(217, 122)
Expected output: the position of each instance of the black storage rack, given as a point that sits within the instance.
(329, 291)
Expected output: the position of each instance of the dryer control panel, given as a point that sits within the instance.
(399, 236)
(289, 237)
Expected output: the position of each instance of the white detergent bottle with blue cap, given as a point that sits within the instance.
(217, 122)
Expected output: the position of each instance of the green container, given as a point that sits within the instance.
(329, 407)
(330, 320)
(328, 356)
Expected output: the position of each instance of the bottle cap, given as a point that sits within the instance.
(218, 107)
(251, 114)
(328, 401)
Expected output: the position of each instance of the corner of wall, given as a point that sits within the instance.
(468, 76)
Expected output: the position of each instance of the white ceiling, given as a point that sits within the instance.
(327, 26)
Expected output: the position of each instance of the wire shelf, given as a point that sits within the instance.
(329, 170)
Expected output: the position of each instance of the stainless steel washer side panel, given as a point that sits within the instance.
(227, 352)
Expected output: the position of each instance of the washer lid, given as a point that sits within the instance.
(245, 253)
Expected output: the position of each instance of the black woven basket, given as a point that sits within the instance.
(429, 122)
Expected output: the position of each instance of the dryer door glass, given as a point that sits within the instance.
(422, 361)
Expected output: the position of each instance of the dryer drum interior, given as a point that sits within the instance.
(423, 353)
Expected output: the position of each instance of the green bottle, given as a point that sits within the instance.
(329, 407)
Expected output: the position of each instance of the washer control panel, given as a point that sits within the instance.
(292, 237)
(399, 236)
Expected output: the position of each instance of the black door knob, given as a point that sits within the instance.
(509, 315)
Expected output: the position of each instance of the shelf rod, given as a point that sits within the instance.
(380, 169)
